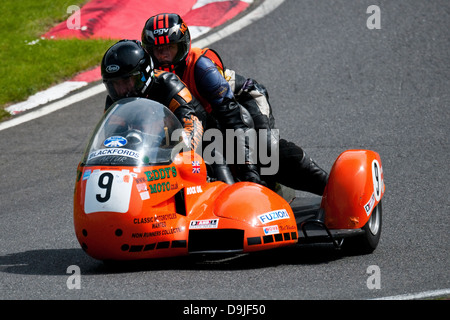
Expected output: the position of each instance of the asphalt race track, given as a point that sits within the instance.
(334, 85)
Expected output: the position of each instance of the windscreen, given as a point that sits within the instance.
(135, 131)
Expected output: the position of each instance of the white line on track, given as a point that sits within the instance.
(420, 295)
(52, 107)
(263, 9)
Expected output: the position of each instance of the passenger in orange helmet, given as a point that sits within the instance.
(235, 101)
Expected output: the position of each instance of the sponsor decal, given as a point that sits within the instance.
(271, 230)
(114, 152)
(273, 216)
(159, 187)
(194, 190)
(163, 173)
(144, 195)
(369, 205)
(86, 174)
(112, 68)
(156, 233)
(141, 187)
(204, 224)
(161, 31)
(115, 142)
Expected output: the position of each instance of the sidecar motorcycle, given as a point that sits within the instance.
(140, 193)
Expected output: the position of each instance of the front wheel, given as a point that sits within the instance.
(368, 241)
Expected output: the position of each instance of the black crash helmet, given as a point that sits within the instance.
(167, 28)
(127, 70)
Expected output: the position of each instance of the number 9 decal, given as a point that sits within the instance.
(108, 191)
(377, 180)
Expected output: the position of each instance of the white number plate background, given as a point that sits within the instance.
(108, 191)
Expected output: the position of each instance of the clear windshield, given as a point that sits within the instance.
(135, 131)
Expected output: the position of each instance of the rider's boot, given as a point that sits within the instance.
(299, 171)
(314, 177)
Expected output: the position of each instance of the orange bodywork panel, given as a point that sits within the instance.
(123, 213)
(355, 186)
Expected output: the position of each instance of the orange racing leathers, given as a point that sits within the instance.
(204, 76)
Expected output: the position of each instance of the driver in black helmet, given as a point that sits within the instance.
(127, 71)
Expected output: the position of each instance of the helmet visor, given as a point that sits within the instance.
(124, 87)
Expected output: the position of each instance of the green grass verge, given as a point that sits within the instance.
(27, 69)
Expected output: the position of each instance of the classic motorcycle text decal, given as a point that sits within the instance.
(156, 233)
(156, 218)
(273, 216)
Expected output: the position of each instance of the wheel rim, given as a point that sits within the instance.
(374, 221)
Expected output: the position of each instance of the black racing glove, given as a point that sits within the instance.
(250, 172)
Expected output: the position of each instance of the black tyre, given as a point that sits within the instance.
(368, 241)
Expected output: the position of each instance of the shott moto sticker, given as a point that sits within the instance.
(273, 216)
(204, 224)
(108, 190)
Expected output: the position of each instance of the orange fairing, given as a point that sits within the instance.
(142, 193)
(258, 209)
(123, 213)
(355, 187)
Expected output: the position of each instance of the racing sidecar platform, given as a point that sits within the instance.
(310, 219)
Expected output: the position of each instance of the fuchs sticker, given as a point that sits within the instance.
(115, 142)
(204, 224)
(273, 216)
(271, 230)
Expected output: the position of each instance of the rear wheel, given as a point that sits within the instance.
(368, 241)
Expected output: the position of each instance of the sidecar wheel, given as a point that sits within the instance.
(367, 242)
